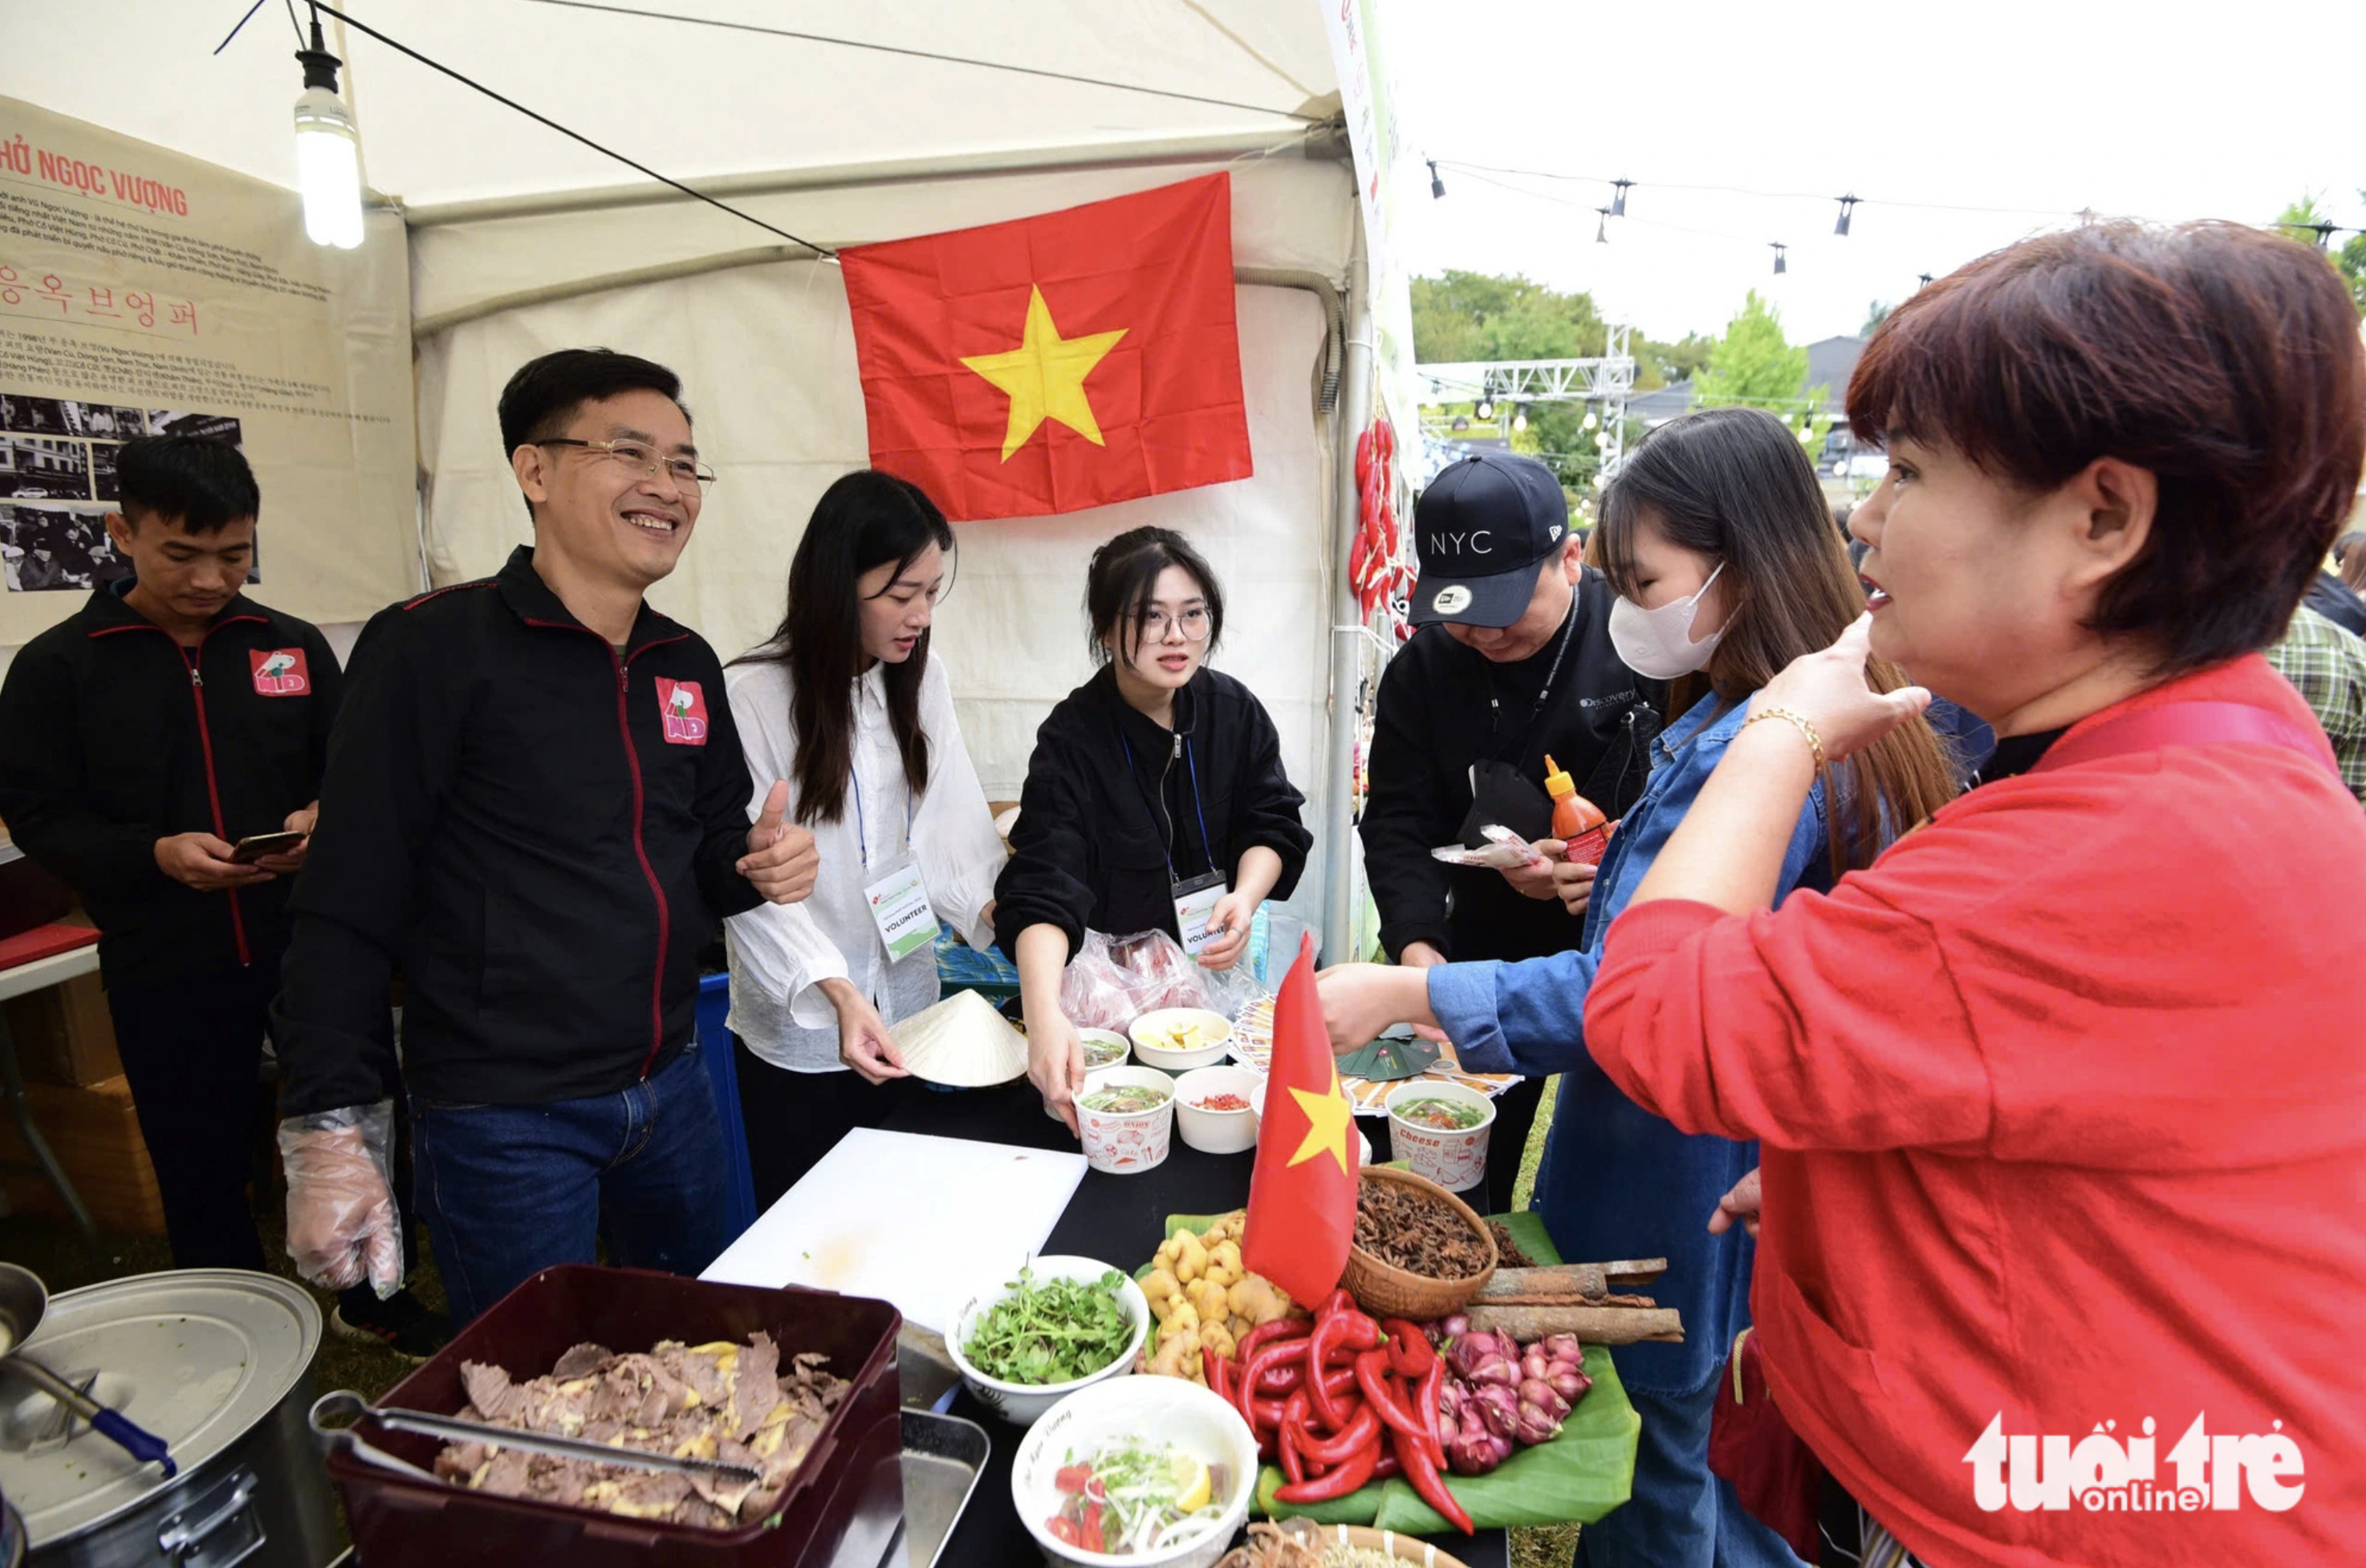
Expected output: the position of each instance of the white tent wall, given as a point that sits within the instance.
(767, 357)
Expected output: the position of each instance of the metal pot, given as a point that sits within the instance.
(215, 1361)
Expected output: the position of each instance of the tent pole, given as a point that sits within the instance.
(1346, 618)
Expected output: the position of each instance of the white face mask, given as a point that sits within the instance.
(1658, 644)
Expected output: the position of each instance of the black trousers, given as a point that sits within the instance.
(794, 1119)
(192, 1049)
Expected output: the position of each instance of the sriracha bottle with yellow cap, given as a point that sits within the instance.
(1576, 821)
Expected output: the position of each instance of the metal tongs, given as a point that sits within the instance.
(335, 1415)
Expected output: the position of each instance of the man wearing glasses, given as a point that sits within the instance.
(544, 811)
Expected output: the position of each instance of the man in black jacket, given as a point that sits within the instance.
(537, 809)
(139, 740)
(1513, 663)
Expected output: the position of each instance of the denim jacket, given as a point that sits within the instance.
(1618, 1181)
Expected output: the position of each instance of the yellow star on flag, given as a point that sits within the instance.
(1044, 377)
(1327, 1115)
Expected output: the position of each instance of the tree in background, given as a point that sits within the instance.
(1755, 366)
(1875, 314)
(2303, 215)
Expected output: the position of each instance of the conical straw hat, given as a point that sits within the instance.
(961, 1043)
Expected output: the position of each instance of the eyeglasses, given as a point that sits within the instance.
(688, 474)
(1194, 622)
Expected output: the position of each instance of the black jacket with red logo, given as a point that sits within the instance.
(539, 834)
(113, 735)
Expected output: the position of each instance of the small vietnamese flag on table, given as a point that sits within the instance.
(1301, 1211)
(1058, 361)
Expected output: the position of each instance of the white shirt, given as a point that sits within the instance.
(782, 953)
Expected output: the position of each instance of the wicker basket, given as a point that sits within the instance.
(1388, 1292)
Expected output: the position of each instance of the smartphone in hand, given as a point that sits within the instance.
(255, 846)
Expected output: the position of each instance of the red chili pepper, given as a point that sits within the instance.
(1432, 1384)
(1338, 1483)
(1408, 1351)
(1293, 1427)
(1347, 1329)
(1264, 1334)
(1363, 1430)
(1387, 1467)
(1088, 1531)
(1071, 1477)
(1064, 1528)
(1280, 1380)
(1253, 1379)
(1340, 1378)
(1372, 1377)
(1211, 1367)
(1427, 1482)
(1338, 1302)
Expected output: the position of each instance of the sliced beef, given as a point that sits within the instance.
(704, 1374)
(757, 1389)
(581, 1360)
(458, 1462)
(491, 1392)
(506, 1476)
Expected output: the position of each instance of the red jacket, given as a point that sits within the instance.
(2064, 1113)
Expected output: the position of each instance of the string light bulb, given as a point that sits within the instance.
(1602, 226)
(1437, 186)
(328, 151)
(1592, 419)
(1519, 419)
(1781, 266)
(1847, 205)
(1618, 197)
(1486, 408)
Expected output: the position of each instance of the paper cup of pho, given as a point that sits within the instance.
(1125, 1117)
(1103, 1048)
(1440, 1130)
(1211, 1107)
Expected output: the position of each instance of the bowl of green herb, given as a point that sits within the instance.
(1063, 1323)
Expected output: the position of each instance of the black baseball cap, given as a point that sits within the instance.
(1483, 529)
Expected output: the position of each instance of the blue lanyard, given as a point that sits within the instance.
(861, 834)
(1197, 809)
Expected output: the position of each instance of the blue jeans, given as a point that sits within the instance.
(1680, 1516)
(508, 1190)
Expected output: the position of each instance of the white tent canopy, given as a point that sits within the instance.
(523, 241)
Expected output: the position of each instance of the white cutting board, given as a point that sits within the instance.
(924, 1223)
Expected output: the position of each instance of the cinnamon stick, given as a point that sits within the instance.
(1594, 1325)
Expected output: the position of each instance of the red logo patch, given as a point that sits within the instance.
(279, 671)
(682, 707)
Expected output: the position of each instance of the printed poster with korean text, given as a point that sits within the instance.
(144, 292)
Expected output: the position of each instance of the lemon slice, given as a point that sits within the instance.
(1191, 1483)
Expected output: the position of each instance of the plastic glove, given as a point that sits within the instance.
(342, 1225)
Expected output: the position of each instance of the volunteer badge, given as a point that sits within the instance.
(279, 671)
(1301, 1210)
(1058, 361)
(682, 706)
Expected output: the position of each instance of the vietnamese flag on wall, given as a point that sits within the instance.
(1054, 363)
(1301, 1211)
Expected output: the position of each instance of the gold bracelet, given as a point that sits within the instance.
(1799, 721)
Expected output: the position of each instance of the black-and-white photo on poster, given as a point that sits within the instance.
(33, 416)
(47, 547)
(206, 426)
(33, 468)
(104, 421)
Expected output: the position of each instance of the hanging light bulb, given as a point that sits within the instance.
(1618, 197)
(1925, 282)
(1592, 420)
(1781, 267)
(1486, 408)
(1848, 204)
(1519, 419)
(1602, 226)
(1437, 186)
(328, 151)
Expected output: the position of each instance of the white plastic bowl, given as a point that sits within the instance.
(1106, 1037)
(1217, 1131)
(1126, 1143)
(1147, 1028)
(1170, 1410)
(1020, 1403)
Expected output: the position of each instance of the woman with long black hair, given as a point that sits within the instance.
(844, 703)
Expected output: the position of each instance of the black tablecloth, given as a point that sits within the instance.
(1120, 1219)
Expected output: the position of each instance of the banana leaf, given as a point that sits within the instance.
(1578, 1477)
